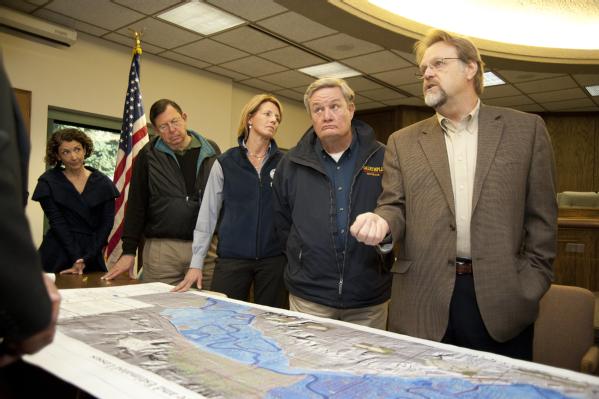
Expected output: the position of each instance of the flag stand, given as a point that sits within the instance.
(134, 135)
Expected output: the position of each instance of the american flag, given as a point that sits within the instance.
(134, 135)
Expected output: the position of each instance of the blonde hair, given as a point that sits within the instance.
(250, 109)
(467, 52)
(348, 93)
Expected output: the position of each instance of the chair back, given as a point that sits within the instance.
(564, 329)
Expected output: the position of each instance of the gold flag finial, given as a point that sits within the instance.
(137, 36)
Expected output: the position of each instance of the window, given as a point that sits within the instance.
(104, 132)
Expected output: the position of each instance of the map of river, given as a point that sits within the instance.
(220, 348)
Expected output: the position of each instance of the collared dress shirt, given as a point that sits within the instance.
(461, 140)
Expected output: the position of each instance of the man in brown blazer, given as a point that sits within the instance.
(469, 197)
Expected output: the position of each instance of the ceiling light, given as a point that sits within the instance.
(551, 24)
(330, 70)
(490, 79)
(593, 90)
(201, 18)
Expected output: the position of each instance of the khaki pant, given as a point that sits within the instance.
(370, 316)
(167, 261)
(209, 263)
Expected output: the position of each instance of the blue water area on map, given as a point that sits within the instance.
(358, 387)
(226, 329)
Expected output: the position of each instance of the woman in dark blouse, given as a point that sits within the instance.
(78, 201)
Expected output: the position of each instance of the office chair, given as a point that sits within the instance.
(564, 331)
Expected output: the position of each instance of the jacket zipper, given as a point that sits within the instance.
(259, 215)
(339, 269)
(260, 181)
(351, 190)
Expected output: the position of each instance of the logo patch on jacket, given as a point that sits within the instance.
(373, 170)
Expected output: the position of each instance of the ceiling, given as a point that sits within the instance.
(266, 51)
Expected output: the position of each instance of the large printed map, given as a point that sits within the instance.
(141, 339)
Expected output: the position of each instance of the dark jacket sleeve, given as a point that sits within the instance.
(58, 223)
(107, 221)
(137, 204)
(25, 307)
(282, 207)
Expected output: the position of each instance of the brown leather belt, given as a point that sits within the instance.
(463, 266)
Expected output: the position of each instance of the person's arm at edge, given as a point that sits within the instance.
(21, 273)
(12, 350)
(27, 310)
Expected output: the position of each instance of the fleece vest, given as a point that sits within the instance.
(246, 226)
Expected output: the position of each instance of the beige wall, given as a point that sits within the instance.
(91, 75)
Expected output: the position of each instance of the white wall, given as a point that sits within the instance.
(91, 76)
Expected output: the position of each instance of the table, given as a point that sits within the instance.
(91, 280)
(142, 341)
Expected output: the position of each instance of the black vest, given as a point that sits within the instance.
(171, 212)
(246, 226)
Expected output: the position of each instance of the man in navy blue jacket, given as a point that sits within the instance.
(333, 174)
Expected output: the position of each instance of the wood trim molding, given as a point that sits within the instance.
(578, 223)
(24, 100)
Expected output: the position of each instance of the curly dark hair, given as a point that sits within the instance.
(69, 134)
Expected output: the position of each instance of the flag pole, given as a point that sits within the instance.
(134, 135)
(137, 38)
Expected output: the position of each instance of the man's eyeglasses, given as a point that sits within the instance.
(175, 122)
(435, 65)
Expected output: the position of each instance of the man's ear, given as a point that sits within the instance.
(471, 70)
(184, 116)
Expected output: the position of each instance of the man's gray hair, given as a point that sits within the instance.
(322, 83)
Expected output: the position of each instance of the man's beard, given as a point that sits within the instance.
(435, 99)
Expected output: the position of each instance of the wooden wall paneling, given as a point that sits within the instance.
(579, 217)
(575, 254)
(596, 163)
(388, 120)
(382, 120)
(577, 260)
(24, 100)
(573, 139)
(594, 265)
(411, 115)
